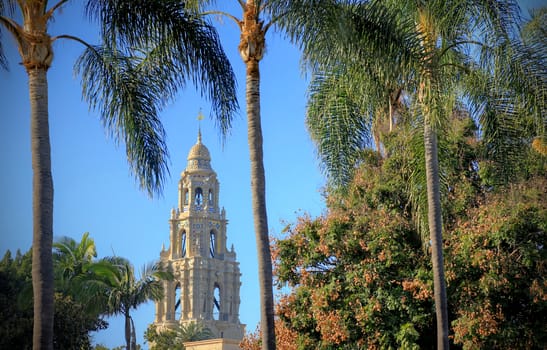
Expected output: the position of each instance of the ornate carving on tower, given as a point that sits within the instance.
(206, 280)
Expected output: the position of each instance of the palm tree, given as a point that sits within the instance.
(179, 46)
(444, 44)
(123, 291)
(514, 104)
(72, 259)
(251, 48)
(427, 46)
(193, 331)
(73, 264)
(174, 338)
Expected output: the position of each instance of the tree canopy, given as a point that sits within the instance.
(72, 322)
(358, 275)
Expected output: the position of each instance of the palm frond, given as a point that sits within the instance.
(509, 98)
(192, 53)
(499, 18)
(193, 331)
(11, 26)
(129, 105)
(329, 32)
(7, 7)
(416, 185)
(182, 46)
(339, 125)
(350, 88)
(121, 289)
(309, 24)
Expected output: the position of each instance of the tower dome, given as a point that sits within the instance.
(199, 156)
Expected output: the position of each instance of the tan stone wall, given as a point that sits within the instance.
(213, 344)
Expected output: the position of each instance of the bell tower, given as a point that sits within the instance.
(206, 282)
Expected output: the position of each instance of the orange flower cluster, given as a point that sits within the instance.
(331, 326)
(285, 338)
(419, 289)
(472, 326)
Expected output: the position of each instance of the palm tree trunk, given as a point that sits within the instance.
(251, 49)
(258, 189)
(133, 335)
(127, 331)
(42, 211)
(435, 232)
(434, 218)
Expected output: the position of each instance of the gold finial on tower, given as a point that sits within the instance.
(200, 118)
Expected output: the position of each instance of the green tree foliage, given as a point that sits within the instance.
(359, 276)
(15, 312)
(358, 273)
(86, 289)
(496, 268)
(72, 262)
(164, 340)
(173, 339)
(100, 347)
(72, 323)
(439, 53)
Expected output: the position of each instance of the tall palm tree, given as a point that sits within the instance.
(427, 46)
(444, 29)
(251, 48)
(124, 291)
(179, 46)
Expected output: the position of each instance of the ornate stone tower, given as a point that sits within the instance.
(206, 280)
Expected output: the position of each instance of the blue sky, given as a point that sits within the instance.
(95, 192)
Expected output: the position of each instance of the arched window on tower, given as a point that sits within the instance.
(198, 197)
(186, 197)
(183, 244)
(178, 308)
(216, 302)
(213, 243)
(210, 198)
